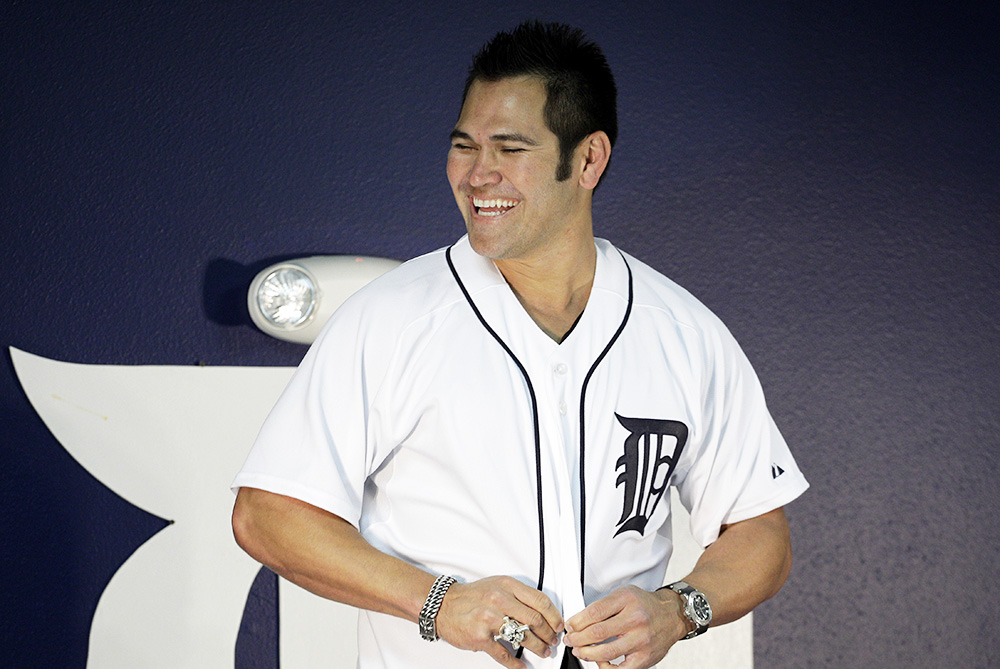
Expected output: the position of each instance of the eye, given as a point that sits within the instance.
(512, 150)
(461, 147)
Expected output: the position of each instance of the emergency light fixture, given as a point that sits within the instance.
(292, 300)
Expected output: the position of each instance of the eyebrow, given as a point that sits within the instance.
(500, 137)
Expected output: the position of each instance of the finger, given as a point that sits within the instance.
(539, 602)
(538, 626)
(536, 645)
(534, 609)
(536, 599)
(601, 610)
(633, 661)
(625, 652)
(602, 652)
(531, 640)
(595, 635)
(597, 631)
(498, 652)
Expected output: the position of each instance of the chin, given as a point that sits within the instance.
(482, 246)
(488, 245)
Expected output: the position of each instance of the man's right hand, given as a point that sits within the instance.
(472, 613)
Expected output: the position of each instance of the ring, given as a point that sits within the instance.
(512, 632)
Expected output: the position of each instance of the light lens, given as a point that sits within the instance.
(287, 297)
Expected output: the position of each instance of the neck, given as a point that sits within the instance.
(554, 289)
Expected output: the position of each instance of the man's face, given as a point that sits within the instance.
(502, 169)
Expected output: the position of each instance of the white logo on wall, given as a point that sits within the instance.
(170, 440)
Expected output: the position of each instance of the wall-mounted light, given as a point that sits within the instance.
(292, 300)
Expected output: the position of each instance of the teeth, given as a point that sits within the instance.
(493, 204)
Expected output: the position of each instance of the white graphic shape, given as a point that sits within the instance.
(170, 440)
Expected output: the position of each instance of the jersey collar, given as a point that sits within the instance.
(499, 307)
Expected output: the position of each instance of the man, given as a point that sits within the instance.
(481, 441)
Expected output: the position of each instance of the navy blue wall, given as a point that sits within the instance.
(824, 175)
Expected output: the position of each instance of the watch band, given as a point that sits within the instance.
(695, 607)
(432, 605)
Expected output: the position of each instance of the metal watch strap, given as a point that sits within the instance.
(432, 604)
(686, 592)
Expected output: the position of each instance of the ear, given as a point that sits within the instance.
(596, 149)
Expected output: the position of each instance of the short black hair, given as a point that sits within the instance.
(581, 97)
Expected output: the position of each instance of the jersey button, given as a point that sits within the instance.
(562, 408)
(560, 369)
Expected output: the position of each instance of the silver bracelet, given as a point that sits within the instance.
(432, 604)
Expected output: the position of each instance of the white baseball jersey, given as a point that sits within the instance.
(434, 415)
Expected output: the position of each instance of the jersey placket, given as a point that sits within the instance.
(557, 401)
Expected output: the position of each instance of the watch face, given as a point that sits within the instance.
(702, 611)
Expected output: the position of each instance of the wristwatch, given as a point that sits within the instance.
(432, 605)
(695, 607)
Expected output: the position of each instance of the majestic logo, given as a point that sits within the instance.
(652, 449)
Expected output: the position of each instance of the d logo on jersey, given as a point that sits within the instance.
(646, 467)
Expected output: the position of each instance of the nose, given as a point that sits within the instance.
(484, 171)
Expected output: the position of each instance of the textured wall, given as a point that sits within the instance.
(825, 176)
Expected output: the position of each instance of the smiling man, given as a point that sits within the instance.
(504, 168)
(480, 445)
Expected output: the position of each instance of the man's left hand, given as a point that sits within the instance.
(630, 622)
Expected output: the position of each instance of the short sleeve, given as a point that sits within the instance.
(319, 443)
(739, 465)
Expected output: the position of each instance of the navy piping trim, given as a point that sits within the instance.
(583, 441)
(534, 415)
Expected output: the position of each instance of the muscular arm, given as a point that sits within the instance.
(326, 555)
(746, 565)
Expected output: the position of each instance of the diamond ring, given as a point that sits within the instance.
(512, 632)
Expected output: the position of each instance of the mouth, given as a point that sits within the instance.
(494, 207)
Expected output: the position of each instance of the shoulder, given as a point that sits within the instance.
(405, 293)
(668, 315)
(658, 296)
(393, 314)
